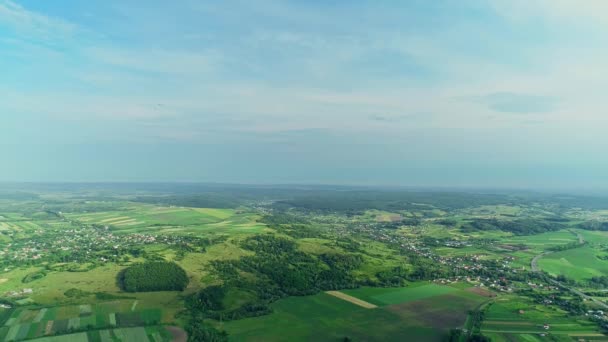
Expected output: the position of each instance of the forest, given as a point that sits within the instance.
(153, 276)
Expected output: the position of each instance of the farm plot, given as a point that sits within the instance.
(139, 334)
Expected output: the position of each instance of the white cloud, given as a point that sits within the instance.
(32, 24)
(155, 60)
(593, 12)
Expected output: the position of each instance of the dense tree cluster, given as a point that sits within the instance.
(33, 276)
(294, 272)
(566, 246)
(393, 277)
(200, 332)
(279, 270)
(153, 276)
(594, 225)
(599, 282)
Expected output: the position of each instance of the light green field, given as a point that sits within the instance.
(388, 296)
(579, 263)
(494, 210)
(541, 242)
(79, 337)
(594, 237)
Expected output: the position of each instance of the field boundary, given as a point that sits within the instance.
(352, 299)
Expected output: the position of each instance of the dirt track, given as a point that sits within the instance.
(352, 299)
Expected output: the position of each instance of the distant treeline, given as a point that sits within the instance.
(358, 201)
(196, 201)
(18, 196)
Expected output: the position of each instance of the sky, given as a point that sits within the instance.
(503, 93)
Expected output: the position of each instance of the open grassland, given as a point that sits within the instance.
(512, 318)
(425, 314)
(578, 263)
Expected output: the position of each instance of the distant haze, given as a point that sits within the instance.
(504, 93)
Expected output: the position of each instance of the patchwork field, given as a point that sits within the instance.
(518, 319)
(32, 323)
(164, 220)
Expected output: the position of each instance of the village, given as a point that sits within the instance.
(81, 243)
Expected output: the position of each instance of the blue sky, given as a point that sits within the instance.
(504, 93)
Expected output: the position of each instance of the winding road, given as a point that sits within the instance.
(535, 268)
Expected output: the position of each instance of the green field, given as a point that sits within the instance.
(422, 313)
(388, 296)
(579, 263)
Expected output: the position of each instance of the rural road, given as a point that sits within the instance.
(535, 268)
(534, 264)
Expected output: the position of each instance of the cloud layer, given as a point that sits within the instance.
(410, 87)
